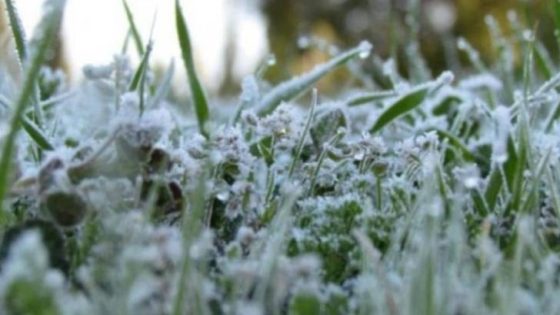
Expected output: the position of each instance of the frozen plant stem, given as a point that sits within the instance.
(299, 147)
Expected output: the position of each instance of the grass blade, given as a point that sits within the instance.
(292, 88)
(49, 27)
(165, 85)
(369, 98)
(36, 134)
(133, 29)
(301, 142)
(457, 143)
(199, 98)
(402, 106)
(18, 34)
(139, 78)
(17, 31)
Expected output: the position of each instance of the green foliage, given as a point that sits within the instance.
(198, 95)
(435, 197)
(25, 96)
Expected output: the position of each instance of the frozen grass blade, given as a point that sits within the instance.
(18, 34)
(457, 144)
(17, 31)
(299, 147)
(139, 79)
(134, 30)
(289, 90)
(402, 106)
(34, 132)
(410, 101)
(165, 86)
(141, 71)
(199, 98)
(48, 24)
(191, 228)
(368, 98)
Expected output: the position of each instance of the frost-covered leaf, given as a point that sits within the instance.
(288, 90)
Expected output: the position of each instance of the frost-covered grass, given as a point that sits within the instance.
(434, 196)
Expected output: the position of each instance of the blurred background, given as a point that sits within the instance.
(232, 37)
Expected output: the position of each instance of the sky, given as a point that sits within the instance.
(94, 31)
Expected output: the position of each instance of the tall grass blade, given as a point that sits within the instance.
(139, 78)
(301, 142)
(18, 34)
(133, 29)
(141, 71)
(199, 98)
(17, 31)
(49, 27)
(290, 89)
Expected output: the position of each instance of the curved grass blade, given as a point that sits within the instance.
(36, 134)
(402, 106)
(30, 127)
(456, 143)
(49, 28)
(292, 88)
(134, 30)
(199, 98)
(367, 98)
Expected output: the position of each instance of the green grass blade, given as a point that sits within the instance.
(139, 78)
(134, 30)
(18, 34)
(368, 98)
(30, 127)
(543, 61)
(456, 143)
(199, 98)
(141, 71)
(36, 134)
(301, 142)
(17, 31)
(402, 106)
(49, 27)
(495, 179)
(290, 89)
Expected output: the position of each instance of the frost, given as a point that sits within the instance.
(250, 90)
(481, 81)
(503, 126)
(469, 175)
(98, 72)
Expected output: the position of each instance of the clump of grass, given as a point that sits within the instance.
(431, 196)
